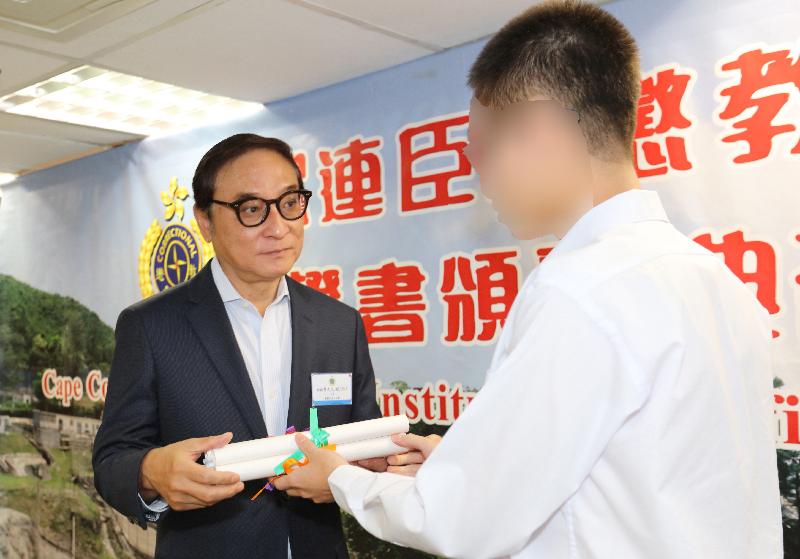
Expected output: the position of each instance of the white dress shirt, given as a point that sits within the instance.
(627, 413)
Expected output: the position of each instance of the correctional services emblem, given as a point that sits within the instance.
(173, 252)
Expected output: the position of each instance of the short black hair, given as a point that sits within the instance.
(205, 176)
(571, 51)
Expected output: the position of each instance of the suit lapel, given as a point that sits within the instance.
(303, 339)
(210, 322)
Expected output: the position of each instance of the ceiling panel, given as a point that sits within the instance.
(20, 152)
(61, 130)
(109, 34)
(280, 49)
(62, 18)
(19, 67)
(29, 143)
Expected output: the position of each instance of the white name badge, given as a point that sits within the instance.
(331, 389)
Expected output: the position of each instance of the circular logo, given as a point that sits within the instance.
(176, 257)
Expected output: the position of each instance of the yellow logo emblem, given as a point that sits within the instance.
(171, 254)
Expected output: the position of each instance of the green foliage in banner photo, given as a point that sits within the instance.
(789, 478)
(40, 330)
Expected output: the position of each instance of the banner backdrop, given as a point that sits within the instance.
(397, 226)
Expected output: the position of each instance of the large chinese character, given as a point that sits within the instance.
(660, 142)
(391, 299)
(430, 159)
(301, 158)
(352, 180)
(751, 261)
(765, 82)
(325, 280)
(478, 290)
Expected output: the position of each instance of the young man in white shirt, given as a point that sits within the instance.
(627, 410)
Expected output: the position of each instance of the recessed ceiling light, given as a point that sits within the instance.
(91, 96)
(6, 178)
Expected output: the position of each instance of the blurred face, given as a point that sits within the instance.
(533, 164)
(265, 252)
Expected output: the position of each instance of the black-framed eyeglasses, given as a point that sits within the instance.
(253, 211)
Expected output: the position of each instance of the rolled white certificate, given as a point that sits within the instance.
(281, 446)
(360, 450)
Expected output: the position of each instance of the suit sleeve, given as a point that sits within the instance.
(130, 419)
(365, 405)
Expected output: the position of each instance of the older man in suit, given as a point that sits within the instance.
(231, 351)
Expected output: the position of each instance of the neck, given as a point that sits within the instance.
(260, 292)
(608, 178)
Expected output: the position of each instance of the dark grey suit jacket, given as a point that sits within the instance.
(178, 373)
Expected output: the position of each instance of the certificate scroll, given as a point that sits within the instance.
(258, 458)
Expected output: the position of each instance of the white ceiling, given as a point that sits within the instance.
(256, 50)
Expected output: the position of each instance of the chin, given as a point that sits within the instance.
(271, 272)
(520, 232)
(274, 266)
(524, 234)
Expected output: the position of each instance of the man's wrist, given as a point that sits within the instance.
(154, 509)
(148, 495)
(146, 489)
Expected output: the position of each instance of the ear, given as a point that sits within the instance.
(204, 222)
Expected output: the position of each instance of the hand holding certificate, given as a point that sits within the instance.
(311, 481)
(264, 458)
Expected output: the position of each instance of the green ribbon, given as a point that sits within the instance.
(318, 436)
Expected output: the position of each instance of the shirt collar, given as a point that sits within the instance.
(631, 206)
(228, 292)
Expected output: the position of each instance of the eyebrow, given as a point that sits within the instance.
(286, 188)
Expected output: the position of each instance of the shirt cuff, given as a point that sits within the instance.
(154, 510)
(349, 484)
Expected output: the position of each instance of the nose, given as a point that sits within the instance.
(275, 226)
(471, 154)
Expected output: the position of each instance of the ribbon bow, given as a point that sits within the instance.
(297, 459)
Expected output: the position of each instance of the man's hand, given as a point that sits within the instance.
(420, 448)
(311, 481)
(172, 473)
(373, 464)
